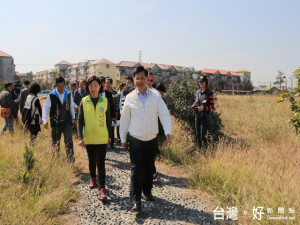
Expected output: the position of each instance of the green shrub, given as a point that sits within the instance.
(293, 96)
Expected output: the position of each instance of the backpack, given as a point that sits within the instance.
(26, 113)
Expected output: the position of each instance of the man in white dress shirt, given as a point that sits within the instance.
(60, 106)
(141, 109)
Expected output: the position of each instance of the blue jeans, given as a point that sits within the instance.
(9, 123)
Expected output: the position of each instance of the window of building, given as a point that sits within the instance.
(107, 66)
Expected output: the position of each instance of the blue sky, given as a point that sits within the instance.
(261, 36)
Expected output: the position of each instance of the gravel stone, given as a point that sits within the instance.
(170, 207)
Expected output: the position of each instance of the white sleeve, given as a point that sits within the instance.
(164, 116)
(125, 121)
(72, 105)
(46, 109)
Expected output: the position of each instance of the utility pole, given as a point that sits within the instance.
(140, 56)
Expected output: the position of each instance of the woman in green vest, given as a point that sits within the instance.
(94, 130)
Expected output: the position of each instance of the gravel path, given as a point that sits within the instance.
(171, 206)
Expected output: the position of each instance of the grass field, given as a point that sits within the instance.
(49, 190)
(256, 164)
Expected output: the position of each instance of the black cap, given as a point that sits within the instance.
(203, 78)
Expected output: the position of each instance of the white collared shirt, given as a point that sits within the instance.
(141, 119)
(47, 106)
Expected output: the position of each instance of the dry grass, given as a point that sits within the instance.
(257, 163)
(49, 190)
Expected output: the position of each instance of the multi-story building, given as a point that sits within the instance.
(104, 67)
(62, 67)
(45, 76)
(7, 67)
(227, 80)
(163, 72)
(245, 76)
(26, 76)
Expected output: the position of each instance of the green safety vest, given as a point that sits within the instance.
(95, 131)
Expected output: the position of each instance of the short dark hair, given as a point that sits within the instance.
(102, 79)
(34, 88)
(122, 85)
(110, 80)
(8, 85)
(161, 87)
(129, 78)
(26, 82)
(140, 69)
(95, 78)
(59, 80)
(76, 82)
(72, 84)
(128, 89)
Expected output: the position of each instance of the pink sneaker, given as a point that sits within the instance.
(92, 182)
(102, 195)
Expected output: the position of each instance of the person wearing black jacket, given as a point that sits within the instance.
(107, 94)
(203, 105)
(7, 102)
(114, 95)
(80, 93)
(23, 95)
(32, 102)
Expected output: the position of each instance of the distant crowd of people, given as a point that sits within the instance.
(135, 116)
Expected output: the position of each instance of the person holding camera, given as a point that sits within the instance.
(203, 105)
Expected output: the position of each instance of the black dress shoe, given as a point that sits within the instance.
(136, 207)
(149, 197)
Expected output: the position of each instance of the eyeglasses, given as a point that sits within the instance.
(150, 80)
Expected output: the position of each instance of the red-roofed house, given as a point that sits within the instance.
(7, 67)
(222, 79)
(126, 68)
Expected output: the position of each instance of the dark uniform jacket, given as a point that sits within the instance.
(110, 99)
(78, 95)
(23, 97)
(6, 99)
(205, 99)
(60, 114)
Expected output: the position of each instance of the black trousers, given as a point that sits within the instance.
(112, 143)
(142, 154)
(201, 131)
(96, 155)
(56, 133)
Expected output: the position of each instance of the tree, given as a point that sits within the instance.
(293, 96)
(280, 79)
